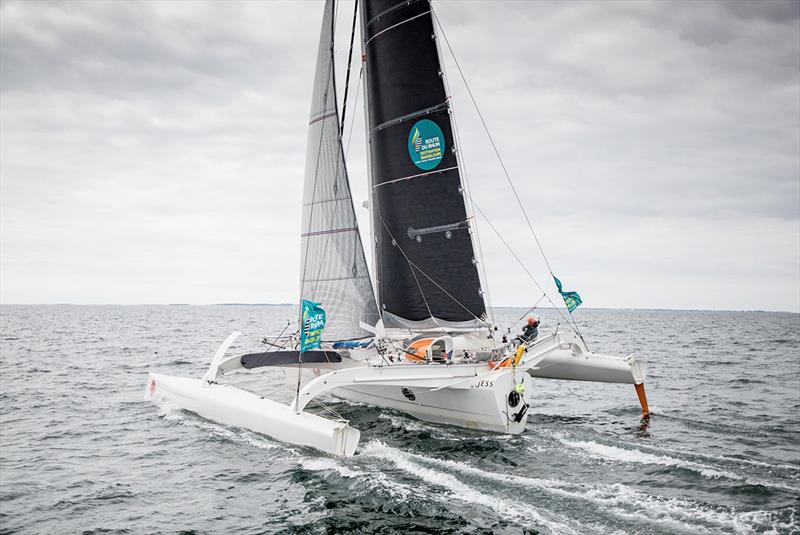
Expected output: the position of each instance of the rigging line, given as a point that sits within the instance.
(459, 303)
(349, 63)
(416, 280)
(502, 164)
(353, 119)
(491, 140)
(328, 409)
(536, 304)
(424, 299)
(265, 342)
(519, 261)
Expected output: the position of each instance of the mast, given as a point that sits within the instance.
(425, 264)
(333, 268)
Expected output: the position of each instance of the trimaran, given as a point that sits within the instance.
(415, 338)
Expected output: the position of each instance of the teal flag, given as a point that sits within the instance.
(313, 324)
(571, 299)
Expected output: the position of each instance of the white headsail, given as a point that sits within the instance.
(333, 268)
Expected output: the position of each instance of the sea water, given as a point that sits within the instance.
(81, 452)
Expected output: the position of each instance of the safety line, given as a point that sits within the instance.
(349, 63)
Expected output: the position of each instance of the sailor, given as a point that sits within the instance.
(530, 331)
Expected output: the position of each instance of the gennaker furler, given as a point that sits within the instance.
(416, 337)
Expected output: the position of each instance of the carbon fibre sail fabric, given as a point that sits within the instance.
(425, 268)
(333, 268)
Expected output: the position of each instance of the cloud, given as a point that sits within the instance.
(154, 152)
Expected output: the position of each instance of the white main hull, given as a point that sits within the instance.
(474, 407)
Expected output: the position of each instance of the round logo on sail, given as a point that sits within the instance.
(426, 144)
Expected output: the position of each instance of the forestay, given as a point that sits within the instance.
(425, 262)
(333, 269)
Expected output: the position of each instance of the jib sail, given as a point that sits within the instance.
(333, 268)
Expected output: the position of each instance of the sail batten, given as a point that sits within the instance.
(333, 266)
(418, 175)
(409, 116)
(425, 266)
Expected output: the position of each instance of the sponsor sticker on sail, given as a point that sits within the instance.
(426, 144)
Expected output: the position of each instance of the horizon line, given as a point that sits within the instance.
(494, 307)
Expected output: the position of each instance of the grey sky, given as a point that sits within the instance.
(153, 152)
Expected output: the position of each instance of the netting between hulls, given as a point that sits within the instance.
(333, 267)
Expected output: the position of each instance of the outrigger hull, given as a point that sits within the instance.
(573, 366)
(229, 405)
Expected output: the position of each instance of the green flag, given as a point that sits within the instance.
(313, 324)
(571, 299)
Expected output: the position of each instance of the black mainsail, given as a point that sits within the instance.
(425, 265)
(333, 268)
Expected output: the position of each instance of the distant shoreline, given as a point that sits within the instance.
(295, 304)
